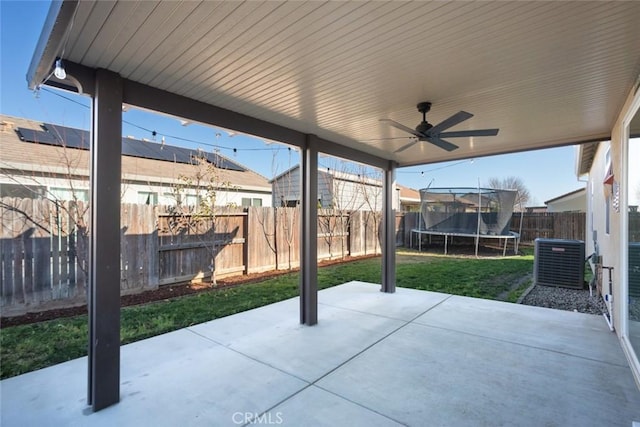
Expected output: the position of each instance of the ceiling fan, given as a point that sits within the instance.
(425, 131)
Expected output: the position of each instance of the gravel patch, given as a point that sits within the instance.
(565, 299)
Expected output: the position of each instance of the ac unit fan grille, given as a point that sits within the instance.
(559, 263)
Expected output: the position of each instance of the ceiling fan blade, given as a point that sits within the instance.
(404, 147)
(458, 117)
(401, 127)
(465, 133)
(391, 138)
(445, 145)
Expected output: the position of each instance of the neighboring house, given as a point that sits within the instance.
(336, 190)
(45, 160)
(535, 209)
(574, 201)
(409, 199)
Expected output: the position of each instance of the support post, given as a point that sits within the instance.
(309, 233)
(104, 242)
(388, 234)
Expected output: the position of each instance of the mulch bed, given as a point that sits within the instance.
(160, 294)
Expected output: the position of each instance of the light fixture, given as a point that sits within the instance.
(59, 71)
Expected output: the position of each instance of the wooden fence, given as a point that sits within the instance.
(550, 225)
(556, 225)
(44, 257)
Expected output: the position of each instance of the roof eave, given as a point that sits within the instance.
(51, 41)
(584, 157)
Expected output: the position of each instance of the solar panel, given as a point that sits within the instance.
(80, 139)
(223, 162)
(128, 149)
(38, 136)
(73, 138)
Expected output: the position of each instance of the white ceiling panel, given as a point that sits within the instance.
(545, 73)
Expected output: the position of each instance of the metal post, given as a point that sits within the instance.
(104, 242)
(388, 234)
(309, 233)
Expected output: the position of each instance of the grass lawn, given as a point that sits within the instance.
(29, 347)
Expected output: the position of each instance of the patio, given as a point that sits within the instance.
(409, 358)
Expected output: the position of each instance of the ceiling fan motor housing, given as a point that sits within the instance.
(423, 127)
(424, 108)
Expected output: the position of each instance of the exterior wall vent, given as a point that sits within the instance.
(559, 262)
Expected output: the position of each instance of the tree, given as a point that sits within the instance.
(200, 223)
(371, 193)
(511, 183)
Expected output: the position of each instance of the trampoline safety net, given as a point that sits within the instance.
(473, 211)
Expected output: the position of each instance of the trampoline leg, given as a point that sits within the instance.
(445, 244)
(477, 244)
(504, 251)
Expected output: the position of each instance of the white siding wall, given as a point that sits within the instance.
(596, 199)
(349, 195)
(575, 203)
(131, 192)
(223, 197)
(610, 244)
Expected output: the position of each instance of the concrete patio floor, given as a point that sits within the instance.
(409, 358)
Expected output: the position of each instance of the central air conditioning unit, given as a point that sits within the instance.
(634, 269)
(559, 262)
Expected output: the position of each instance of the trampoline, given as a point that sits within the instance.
(478, 213)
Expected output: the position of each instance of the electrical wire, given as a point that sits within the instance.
(435, 169)
(180, 138)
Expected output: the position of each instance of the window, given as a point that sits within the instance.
(147, 197)
(246, 202)
(69, 194)
(22, 191)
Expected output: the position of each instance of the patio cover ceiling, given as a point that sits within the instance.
(545, 73)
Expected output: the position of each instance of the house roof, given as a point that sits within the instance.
(545, 73)
(584, 157)
(338, 174)
(586, 152)
(570, 195)
(408, 194)
(54, 149)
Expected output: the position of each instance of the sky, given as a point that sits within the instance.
(546, 173)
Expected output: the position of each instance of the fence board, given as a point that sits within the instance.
(371, 232)
(356, 233)
(558, 225)
(287, 238)
(7, 273)
(262, 250)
